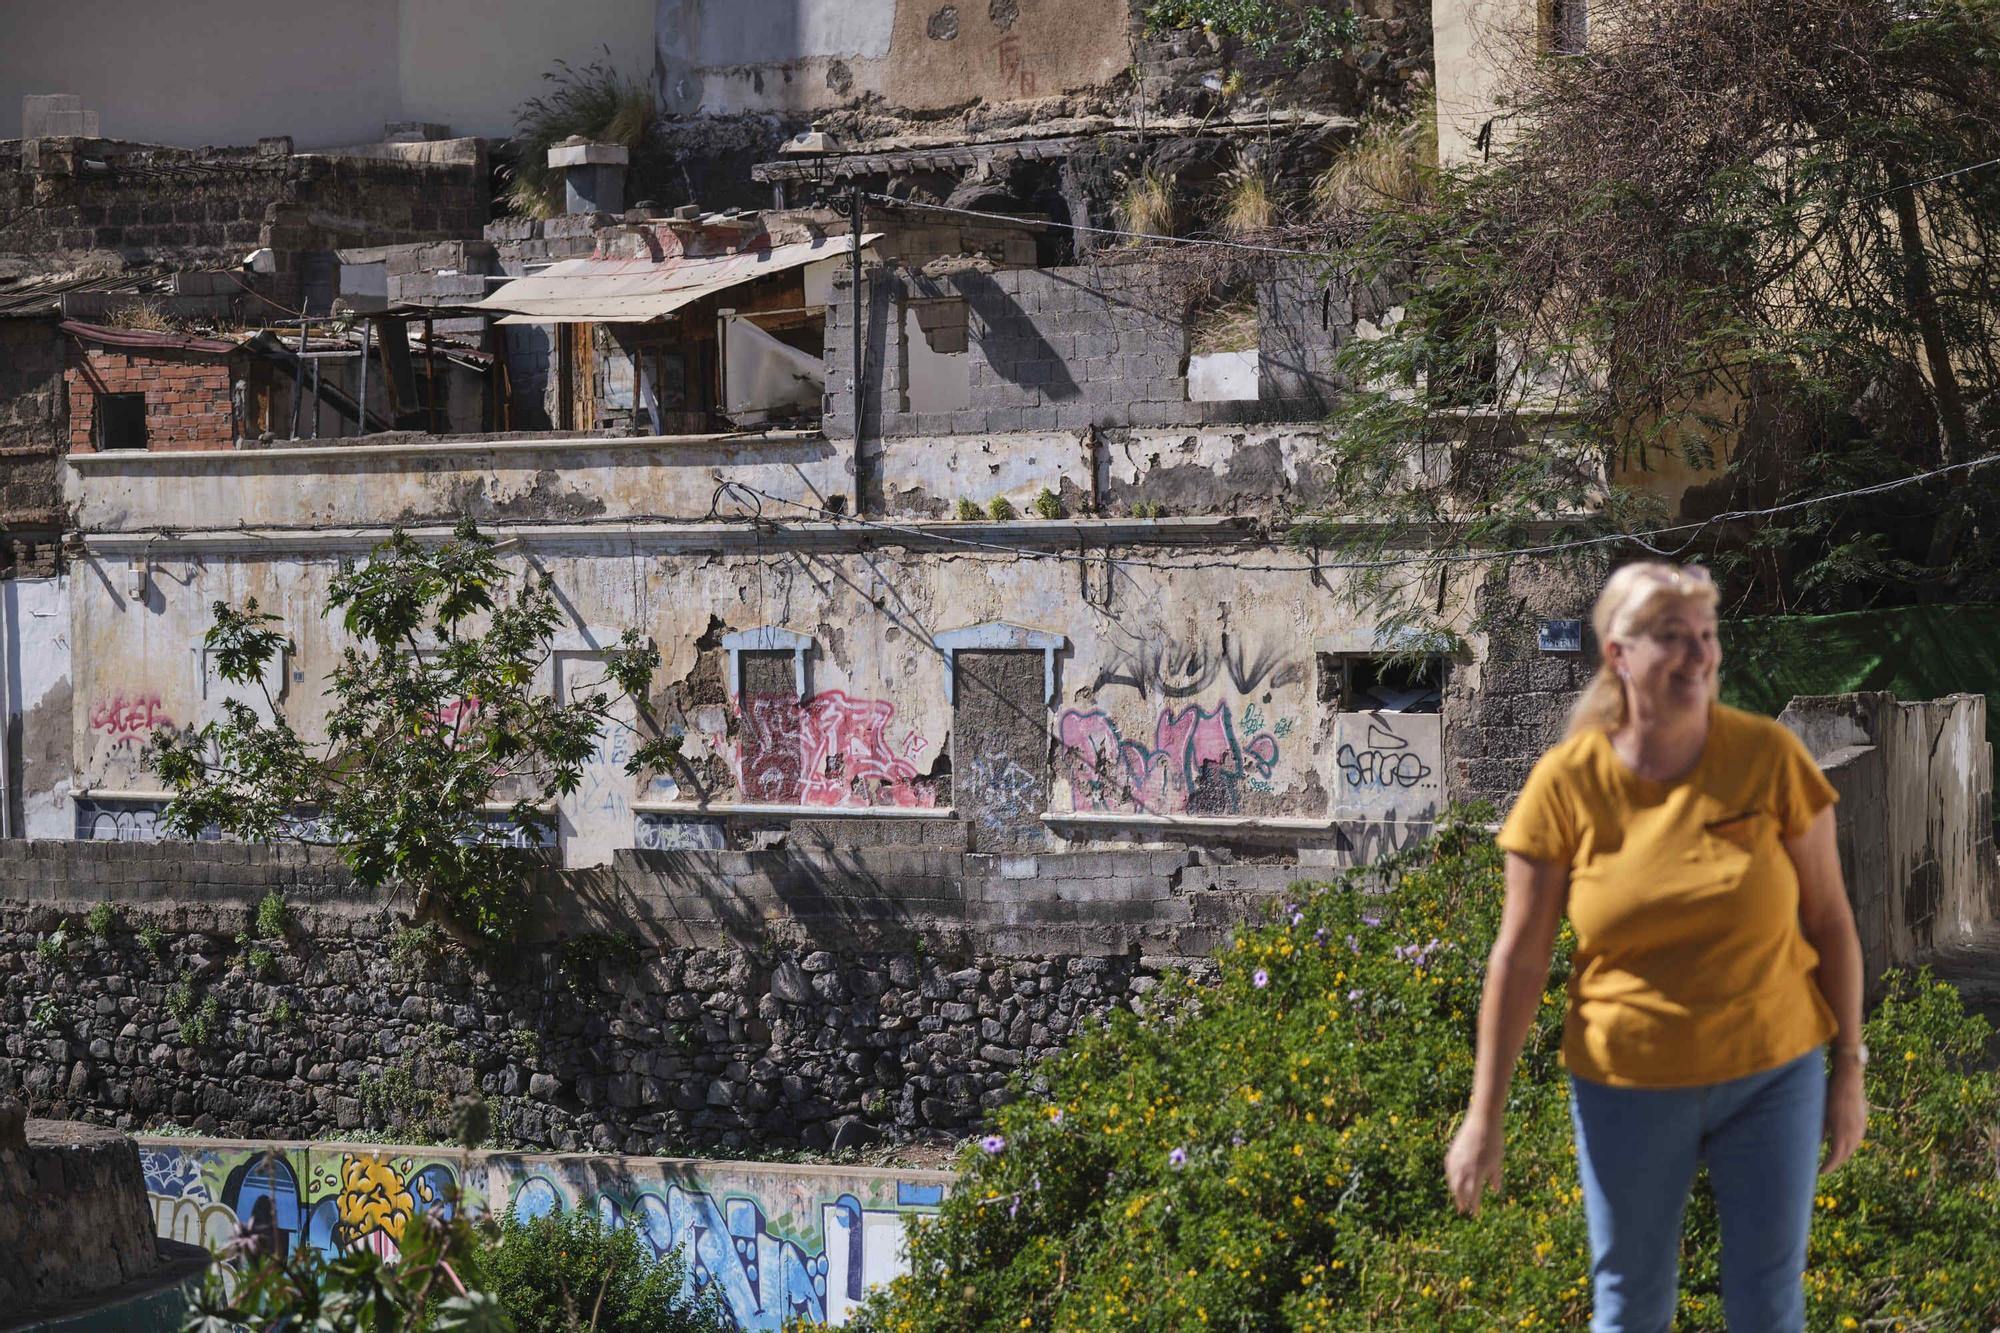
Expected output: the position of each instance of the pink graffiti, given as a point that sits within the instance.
(830, 749)
(127, 720)
(1196, 765)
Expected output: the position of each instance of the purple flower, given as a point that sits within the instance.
(1055, 1116)
(1291, 908)
(1319, 936)
(1298, 918)
(1014, 1207)
(994, 1144)
(1260, 978)
(1354, 995)
(1177, 1158)
(1369, 919)
(1354, 944)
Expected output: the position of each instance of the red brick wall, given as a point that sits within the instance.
(187, 395)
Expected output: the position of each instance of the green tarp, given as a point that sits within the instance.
(1916, 652)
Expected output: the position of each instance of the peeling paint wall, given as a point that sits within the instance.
(37, 666)
(808, 55)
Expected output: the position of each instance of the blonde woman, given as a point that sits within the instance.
(1692, 847)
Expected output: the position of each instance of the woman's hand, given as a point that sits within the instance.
(1846, 1113)
(1472, 1166)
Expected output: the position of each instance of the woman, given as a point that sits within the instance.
(1692, 846)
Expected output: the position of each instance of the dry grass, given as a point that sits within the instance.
(1391, 162)
(1147, 204)
(1228, 328)
(594, 101)
(1249, 200)
(140, 313)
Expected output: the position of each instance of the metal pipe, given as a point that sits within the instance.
(361, 397)
(317, 400)
(854, 243)
(299, 379)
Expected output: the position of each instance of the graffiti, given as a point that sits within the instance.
(776, 1246)
(1157, 665)
(830, 749)
(1384, 757)
(1363, 842)
(129, 720)
(665, 833)
(116, 823)
(1015, 75)
(1387, 762)
(1003, 794)
(1196, 765)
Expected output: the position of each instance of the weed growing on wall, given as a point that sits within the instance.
(1267, 1153)
(273, 917)
(1000, 509)
(1048, 504)
(52, 948)
(965, 511)
(101, 919)
(152, 940)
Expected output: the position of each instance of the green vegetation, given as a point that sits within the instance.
(1000, 509)
(263, 963)
(1296, 32)
(1048, 504)
(151, 939)
(432, 716)
(201, 1025)
(568, 1271)
(416, 1095)
(45, 1015)
(965, 511)
(100, 920)
(52, 947)
(1268, 1153)
(273, 917)
(282, 1013)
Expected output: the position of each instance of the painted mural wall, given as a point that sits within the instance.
(778, 1242)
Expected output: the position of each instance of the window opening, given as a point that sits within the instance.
(121, 421)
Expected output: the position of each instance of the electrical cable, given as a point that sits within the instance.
(1105, 231)
(1640, 537)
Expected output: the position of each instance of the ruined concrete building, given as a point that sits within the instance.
(954, 519)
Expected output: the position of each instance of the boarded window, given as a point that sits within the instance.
(121, 421)
(1568, 27)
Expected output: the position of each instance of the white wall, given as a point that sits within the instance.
(37, 666)
(231, 72)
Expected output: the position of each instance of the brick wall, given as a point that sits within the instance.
(187, 395)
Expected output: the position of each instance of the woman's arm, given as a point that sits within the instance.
(1516, 972)
(1827, 921)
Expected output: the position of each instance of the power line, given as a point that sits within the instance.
(1106, 231)
(1640, 538)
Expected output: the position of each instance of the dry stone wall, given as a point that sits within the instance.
(679, 1001)
(75, 1219)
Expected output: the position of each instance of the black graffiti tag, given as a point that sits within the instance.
(1387, 762)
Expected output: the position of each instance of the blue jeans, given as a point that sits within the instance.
(1638, 1149)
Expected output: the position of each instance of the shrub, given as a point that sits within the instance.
(565, 1271)
(100, 920)
(152, 940)
(273, 917)
(1267, 1152)
(595, 101)
(966, 511)
(1000, 509)
(282, 1013)
(50, 947)
(1146, 205)
(263, 963)
(1048, 504)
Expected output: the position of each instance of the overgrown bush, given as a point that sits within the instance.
(594, 101)
(1267, 1152)
(568, 1271)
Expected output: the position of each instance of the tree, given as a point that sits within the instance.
(437, 713)
(1753, 234)
(569, 1271)
(1297, 32)
(426, 1289)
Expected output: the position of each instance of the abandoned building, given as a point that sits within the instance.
(953, 516)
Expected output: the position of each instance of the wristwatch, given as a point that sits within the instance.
(1858, 1053)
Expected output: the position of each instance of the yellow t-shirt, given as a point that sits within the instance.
(1690, 965)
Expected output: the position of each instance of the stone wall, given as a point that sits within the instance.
(32, 425)
(678, 1000)
(73, 1216)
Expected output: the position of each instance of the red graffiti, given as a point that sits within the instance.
(127, 720)
(1014, 71)
(827, 750)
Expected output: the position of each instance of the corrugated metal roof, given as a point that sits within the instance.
(149, 339)
(634, 291)
(42, 295)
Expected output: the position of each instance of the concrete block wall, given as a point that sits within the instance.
(33, 421)
(1067, 349)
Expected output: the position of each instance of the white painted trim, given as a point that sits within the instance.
(692, 808)
(356, 450)
(133, 797)
(1221, 823)
(1002, 636)
(764, 639)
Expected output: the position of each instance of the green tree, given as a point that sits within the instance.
(569, 1272)
(1733, 232)
(1299, 32)
(426, 1290)
(434, 714)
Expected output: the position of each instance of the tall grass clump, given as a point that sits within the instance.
(1267, 1152)
(1146, 203)
(1393, 162)
(592, 100)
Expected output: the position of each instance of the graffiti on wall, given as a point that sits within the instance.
(1387, 762)
(1202, 761)
(776, 1246)
(829, 749)
(1160, 665)
(666, 833)
(128, 721)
